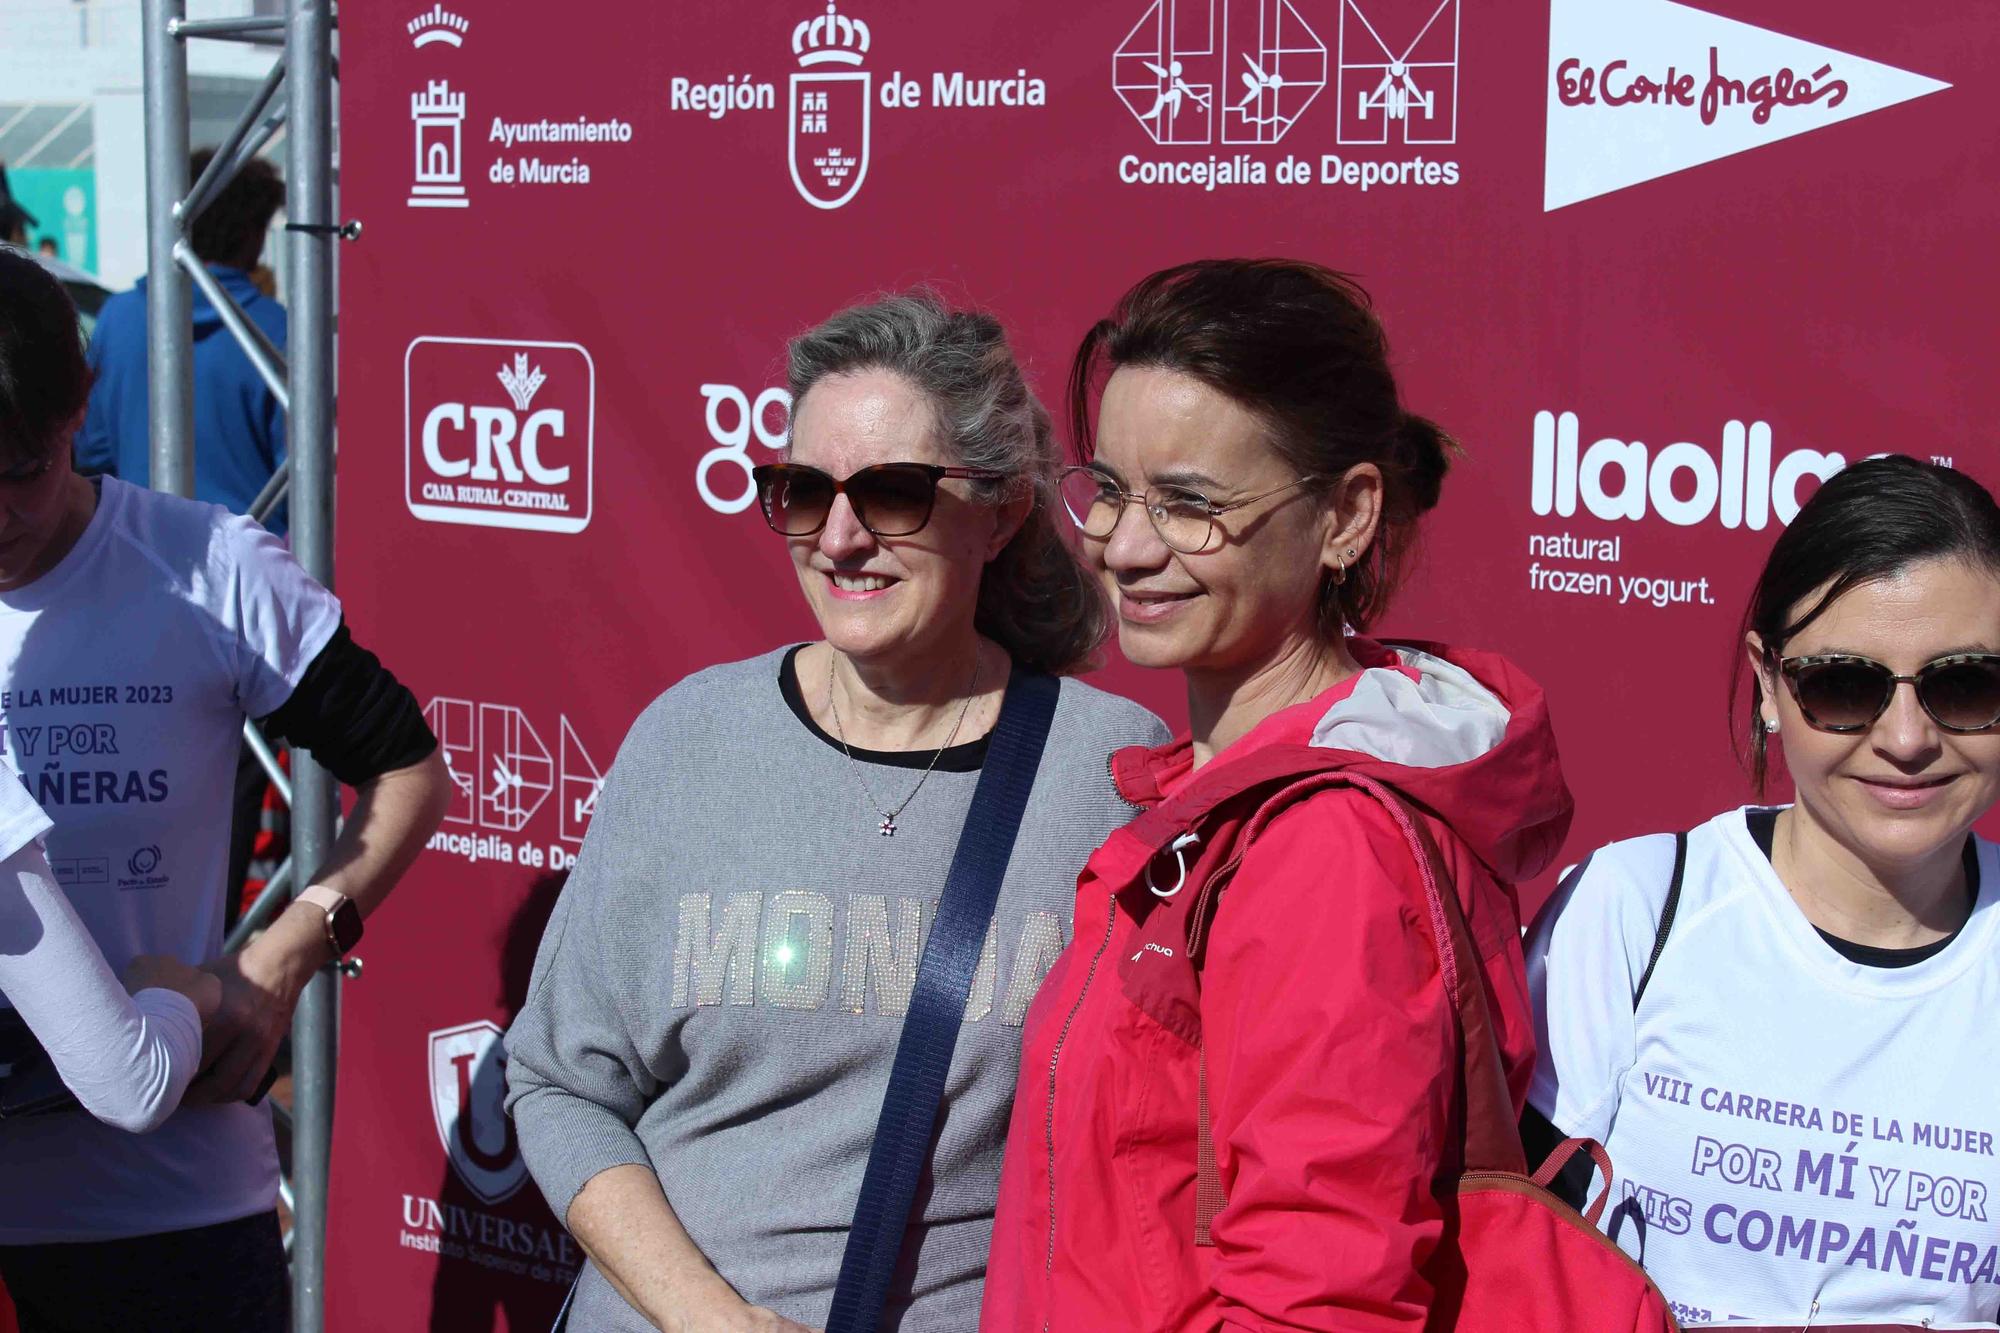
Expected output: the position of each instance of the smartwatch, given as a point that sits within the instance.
(343, 918)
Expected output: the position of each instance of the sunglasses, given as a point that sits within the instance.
(1838, 692)
(889, 499)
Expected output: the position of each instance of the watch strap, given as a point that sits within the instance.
(325, 899)
(331, 902)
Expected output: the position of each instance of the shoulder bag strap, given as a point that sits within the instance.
(1666, 916)
(902, 1146)
(1492, 1142)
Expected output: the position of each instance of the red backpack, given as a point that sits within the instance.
(1514, 1258)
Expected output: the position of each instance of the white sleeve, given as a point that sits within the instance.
(281, 618)
(127, 1058)
(1586, 951)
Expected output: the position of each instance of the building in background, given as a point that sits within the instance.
(72, 121)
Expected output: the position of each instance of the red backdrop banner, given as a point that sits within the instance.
(1659, 268)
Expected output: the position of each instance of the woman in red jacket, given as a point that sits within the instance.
(1253, 488)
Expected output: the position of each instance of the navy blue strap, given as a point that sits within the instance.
(902, 1145)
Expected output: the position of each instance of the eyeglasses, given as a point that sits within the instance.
(1840, 692)
(1184, 519)
(890, 499)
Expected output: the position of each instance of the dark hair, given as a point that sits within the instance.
(1868, 522)
(1035, 599)
(230, 230)
(1298, 345)
(44, 379)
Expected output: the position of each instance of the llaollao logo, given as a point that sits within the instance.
(1743, 484)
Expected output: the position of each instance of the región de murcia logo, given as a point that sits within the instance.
(830, 136)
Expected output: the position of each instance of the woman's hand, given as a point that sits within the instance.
(155, 972)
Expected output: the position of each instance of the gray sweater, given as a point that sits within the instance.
(722, 985)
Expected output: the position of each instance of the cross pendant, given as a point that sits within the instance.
(888, 826)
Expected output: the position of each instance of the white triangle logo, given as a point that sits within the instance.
(1640, 89)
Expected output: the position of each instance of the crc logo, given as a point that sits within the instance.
(733, 420)
(1684, 483)
(468, 1070)
(499, 433)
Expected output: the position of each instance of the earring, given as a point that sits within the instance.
(1340, 570)
(1771, 725)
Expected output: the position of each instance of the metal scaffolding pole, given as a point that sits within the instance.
(169, 302)
(309, 173)
(303, 383)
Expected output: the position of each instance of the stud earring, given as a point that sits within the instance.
(1771, 725)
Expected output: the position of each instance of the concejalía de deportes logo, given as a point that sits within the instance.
(1216, 83)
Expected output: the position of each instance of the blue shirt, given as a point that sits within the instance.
(239, 428)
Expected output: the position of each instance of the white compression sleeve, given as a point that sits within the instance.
(127, 1058)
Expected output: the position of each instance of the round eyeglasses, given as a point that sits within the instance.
(1185, 519)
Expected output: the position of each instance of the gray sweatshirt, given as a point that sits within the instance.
(722, 986)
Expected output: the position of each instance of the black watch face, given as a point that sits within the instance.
(345, 924)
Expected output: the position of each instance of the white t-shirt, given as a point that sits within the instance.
(125, 675)
(1795, 1136)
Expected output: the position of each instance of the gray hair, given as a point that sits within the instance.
(1035, 598)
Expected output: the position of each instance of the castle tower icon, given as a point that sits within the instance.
(439, 116)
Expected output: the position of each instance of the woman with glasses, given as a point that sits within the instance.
(1781, 1023)
(697, 1075)
(1246, 1069)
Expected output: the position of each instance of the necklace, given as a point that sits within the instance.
(887, 828)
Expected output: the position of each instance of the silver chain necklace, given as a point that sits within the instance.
(887, 828)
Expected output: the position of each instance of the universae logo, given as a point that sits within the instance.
(521, 457)
(468, 1085)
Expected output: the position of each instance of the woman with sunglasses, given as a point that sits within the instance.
(1246, 1066)
(1781, 1024)
(697, 1075)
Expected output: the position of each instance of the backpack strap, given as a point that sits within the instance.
(1491, 1141)
(1666, 916)
(901, 1151)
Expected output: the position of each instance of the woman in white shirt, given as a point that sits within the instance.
(1782, 1024)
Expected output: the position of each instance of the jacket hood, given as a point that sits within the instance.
(235, 282)
(1465, 734)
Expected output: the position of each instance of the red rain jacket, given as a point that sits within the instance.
(1330, 1043)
